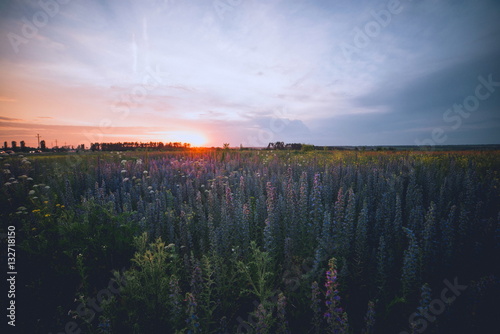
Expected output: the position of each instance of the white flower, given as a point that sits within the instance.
(7, 183)
(47, 187)
(125, 179)
(123, 171)
(124, 162)
(31, 192)
(138, 161)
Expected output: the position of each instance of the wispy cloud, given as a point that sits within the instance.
(9, 119)
(223, 75)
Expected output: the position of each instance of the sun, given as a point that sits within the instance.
(190, 137)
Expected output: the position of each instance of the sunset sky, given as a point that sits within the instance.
(248, 72)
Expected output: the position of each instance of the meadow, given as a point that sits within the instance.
(231, 241)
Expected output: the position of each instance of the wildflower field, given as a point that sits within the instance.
(232, 241)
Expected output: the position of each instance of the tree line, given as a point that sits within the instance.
(130, 146)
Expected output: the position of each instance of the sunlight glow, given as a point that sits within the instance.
(193, 138)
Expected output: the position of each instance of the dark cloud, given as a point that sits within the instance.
(437, 90)
(9, 119)
(400, 128)
(414, 106)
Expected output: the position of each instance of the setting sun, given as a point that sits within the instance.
(193, 138)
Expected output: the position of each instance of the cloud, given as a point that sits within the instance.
(432, 91)
(226, 73)
(9, 119)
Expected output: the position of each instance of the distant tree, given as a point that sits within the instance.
(293, 146)
(307, 147)
(4, 145)
(23, 146)
(225, 146)
(42, 145)
(14, 145)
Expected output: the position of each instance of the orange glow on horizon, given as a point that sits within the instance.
(196, 139)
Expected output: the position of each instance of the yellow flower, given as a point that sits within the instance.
(36, 210)
(45, 202)
(58, 204)
(47, 215)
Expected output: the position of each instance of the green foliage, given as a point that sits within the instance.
(148, 300)
(307, 148)
(207, 302)
(258, 273)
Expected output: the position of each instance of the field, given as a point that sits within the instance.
(230, 241)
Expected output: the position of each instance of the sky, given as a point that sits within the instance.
(250, 72)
